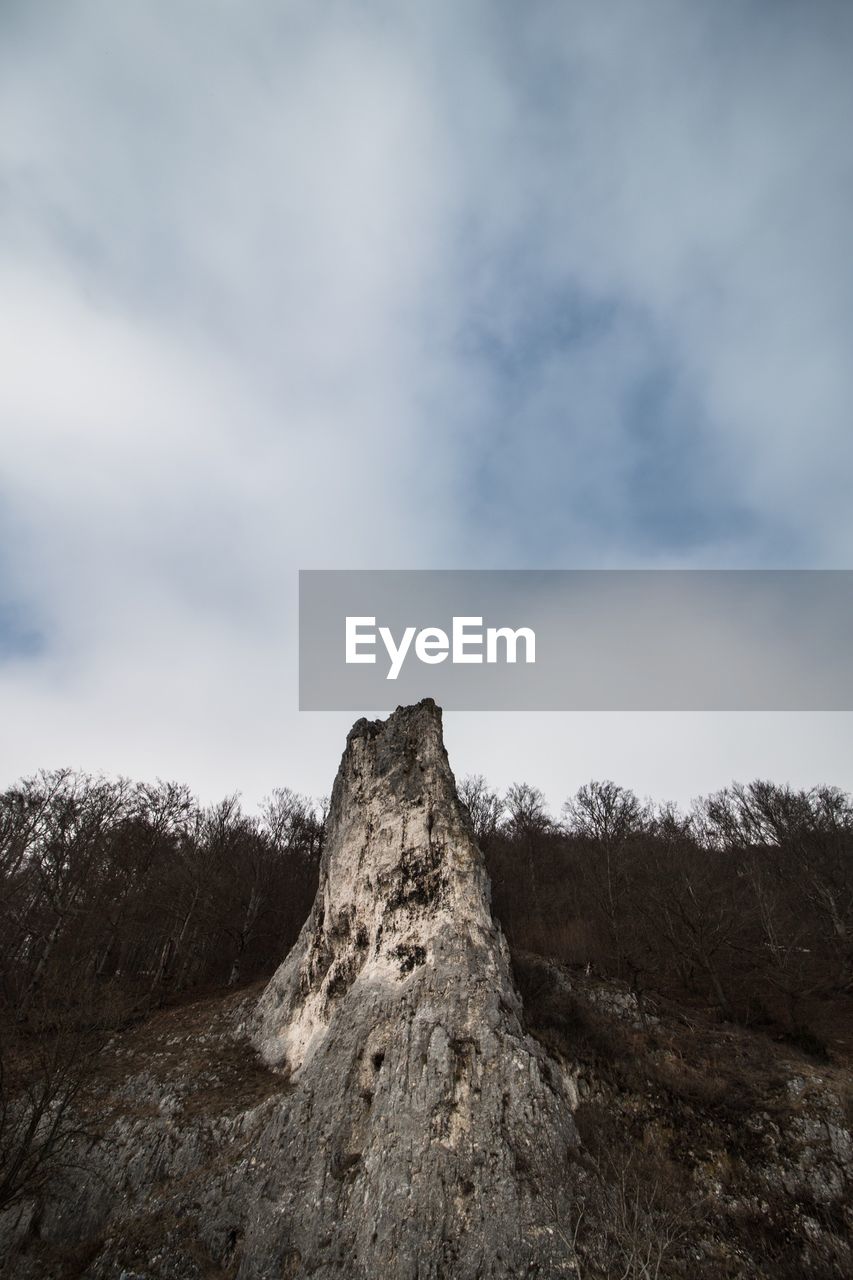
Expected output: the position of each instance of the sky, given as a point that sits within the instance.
(393, 285)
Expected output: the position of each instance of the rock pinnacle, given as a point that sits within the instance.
(427, 1133)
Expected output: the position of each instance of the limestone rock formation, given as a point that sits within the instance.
(426, 1135)
(403, 1126)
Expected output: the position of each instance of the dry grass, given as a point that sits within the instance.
(192, 1053)
(687, 1127)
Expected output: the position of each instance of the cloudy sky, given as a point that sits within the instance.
(389, 284)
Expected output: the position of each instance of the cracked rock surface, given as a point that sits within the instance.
(425, 1128)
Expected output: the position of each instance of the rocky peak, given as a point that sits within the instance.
(402, 887)
(425, 1128)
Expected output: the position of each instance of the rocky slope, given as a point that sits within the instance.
(704, 1145)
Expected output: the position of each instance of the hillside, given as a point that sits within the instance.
(704, 1145)
(638, 1065)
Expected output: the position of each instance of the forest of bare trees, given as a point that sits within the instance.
(138, 890)
(116, 898)
(745, 903)
(114, 895)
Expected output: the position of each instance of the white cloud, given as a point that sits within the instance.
(261, 272)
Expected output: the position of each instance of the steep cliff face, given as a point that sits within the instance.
(425, 1128)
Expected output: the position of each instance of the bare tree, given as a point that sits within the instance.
(484, 806)
(642, 1225)
(526, 810)
(42, 1129)
(525, 822)
(608, 816)
(294, 822)
(693, 906)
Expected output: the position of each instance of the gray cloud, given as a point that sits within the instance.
(402, 285)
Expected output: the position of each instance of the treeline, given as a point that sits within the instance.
(745, 903)
(117, 896)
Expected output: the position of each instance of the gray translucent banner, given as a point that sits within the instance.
(585, 640)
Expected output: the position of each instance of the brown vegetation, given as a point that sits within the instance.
(661, 953)
(116, 900)
(744, 905)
